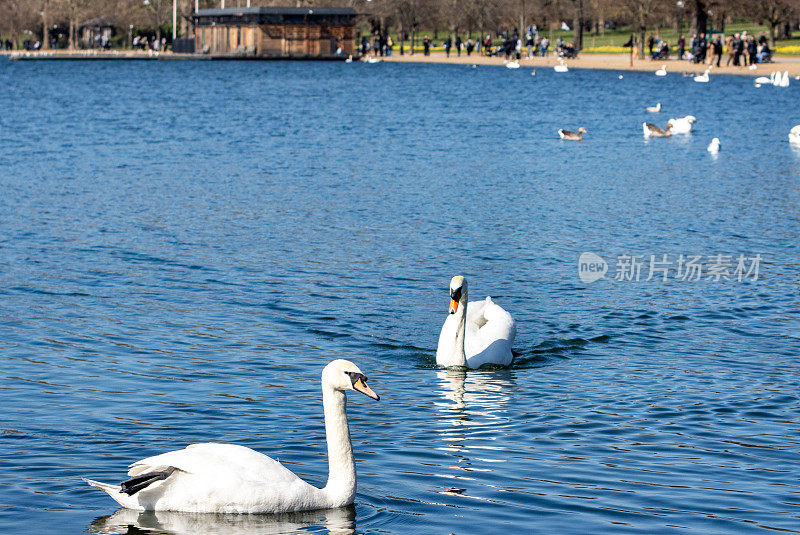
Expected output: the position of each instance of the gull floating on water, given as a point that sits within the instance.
(651, 130)
(572, 136)
(713, 147)
(654, 109)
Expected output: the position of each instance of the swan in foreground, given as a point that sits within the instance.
(561, 67)
(794, 135)
(662, 71)
(225, 478)
(475, 333)
(572, 136)
(682, 125)
(702, 77)
(714, 146)
(651, 130)
(654, 109)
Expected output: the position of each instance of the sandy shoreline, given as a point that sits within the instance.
(611, 62)
(618, 62)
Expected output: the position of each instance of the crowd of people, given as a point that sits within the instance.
(742, 49)
(142, 42)
(508, 44)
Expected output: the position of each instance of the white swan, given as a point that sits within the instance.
(662, 71)
(349, 59)
(682, 125)
(561, 67)
(654, 109)
(225, 478)
(714, 146)
(512, 65)
(702, 77)
(762, 80)
(474, 334)
(784, 80)
(794, 135)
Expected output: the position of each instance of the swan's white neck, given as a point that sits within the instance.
(341, 487)
(459, 356)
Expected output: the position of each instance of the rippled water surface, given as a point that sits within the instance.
(184, 246)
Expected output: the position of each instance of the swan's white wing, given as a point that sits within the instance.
(221, 478)
(490, 336)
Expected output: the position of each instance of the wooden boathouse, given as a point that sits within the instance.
(276, 32)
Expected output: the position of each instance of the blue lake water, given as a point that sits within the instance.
(184, 246)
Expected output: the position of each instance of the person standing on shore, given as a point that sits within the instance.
(681, 46)
(487, 47)
(426, 46)
(458, 45)
(545, 47)
(738, 47)
(731, 51)
(529, 44)
(447, 44)
(470, 46)
(752, 49)
(716, 45)
(703, 48)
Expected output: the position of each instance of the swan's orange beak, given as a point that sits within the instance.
(362, 387)
(453, 306)
(455, 297)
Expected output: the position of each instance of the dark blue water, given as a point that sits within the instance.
(184, 246)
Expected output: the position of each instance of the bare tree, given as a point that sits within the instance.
(774, 13)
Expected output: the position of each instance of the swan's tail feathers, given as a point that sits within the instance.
(115, 492)
(135, 484)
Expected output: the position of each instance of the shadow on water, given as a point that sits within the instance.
(341, 521)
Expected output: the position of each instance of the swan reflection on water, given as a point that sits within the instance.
(341, 521)
(475, 402)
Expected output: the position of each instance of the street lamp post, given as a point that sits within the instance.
(680, 5)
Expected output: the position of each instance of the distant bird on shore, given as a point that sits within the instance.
(714, 146)
(654, 109)
(568, 135)
(662, 71)
(651, 130)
